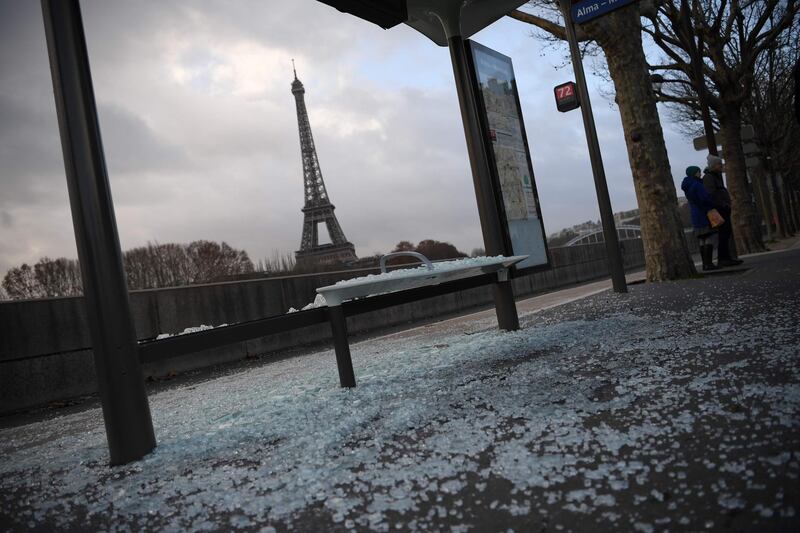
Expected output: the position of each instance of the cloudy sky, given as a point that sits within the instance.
(200, 130)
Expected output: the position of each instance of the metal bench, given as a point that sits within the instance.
(398, 281)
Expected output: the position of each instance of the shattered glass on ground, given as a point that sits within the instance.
(674, 407)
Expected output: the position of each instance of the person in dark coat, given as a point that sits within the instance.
(700, 203)
(715, 186)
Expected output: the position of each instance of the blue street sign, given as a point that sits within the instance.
(591, 9)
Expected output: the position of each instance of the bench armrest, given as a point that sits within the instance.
(398, 254)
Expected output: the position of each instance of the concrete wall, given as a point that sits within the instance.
(57, 326)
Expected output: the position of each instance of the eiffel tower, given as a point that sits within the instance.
(318, 208)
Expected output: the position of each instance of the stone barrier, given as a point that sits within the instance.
(43, 343)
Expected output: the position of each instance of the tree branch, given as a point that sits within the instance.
(672, 66)
(768, 39)
(556, 30)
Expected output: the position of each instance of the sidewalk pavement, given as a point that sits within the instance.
(673, 407)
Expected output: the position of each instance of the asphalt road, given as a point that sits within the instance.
(673, 407)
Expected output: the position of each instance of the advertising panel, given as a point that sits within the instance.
(512, 170)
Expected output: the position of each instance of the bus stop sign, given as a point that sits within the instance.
(566, 97)
(586, 10)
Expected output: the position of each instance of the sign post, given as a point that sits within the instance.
(591, 9)
(606, 214)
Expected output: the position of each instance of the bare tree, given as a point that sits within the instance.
(619, 35)
(212, 261)
(58, 277)
(20, 283)
(137, 267)
(430, 248)
(157, 265)
(279, 263)
(154, 265)
(404, 246)
(734, 35)
(436, 250)
(46, 279)
(170, 265)
(769, 110)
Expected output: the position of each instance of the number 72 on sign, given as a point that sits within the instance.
(566, 97)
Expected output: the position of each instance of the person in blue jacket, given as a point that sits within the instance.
(700, 203)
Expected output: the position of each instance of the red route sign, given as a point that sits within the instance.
(566, 97)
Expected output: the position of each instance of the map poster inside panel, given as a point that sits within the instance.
(495, 76)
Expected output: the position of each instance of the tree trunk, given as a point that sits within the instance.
(775, 200)
(762, 201)
(783, 198)
(791, 203)
(666, 253)
(794, 202)
(776, 224)
(745, 227)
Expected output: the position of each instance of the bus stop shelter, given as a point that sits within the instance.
(117, 355)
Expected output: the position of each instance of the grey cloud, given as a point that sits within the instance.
(299, 26)
(34, 233)
(29, 144)
(132, 146)
(189, 160)
(31, 165)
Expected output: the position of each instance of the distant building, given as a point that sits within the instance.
(623, 217)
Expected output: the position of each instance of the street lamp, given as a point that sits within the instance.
(656, 81)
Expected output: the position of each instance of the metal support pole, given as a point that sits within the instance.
(606, 214)
(129, 428)
(341, 346)
(477, 148)
(505, 306)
